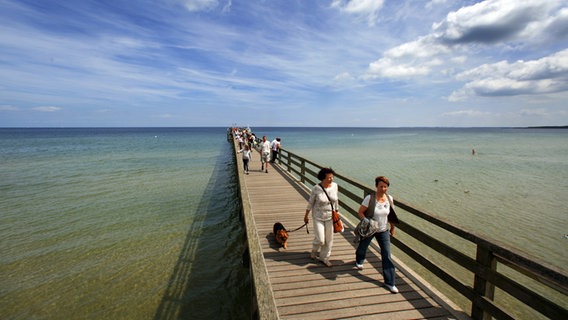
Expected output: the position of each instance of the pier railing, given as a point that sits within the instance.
(495, 280)
(264, 306)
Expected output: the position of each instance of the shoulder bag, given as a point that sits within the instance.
(392, 218)
(337, 225)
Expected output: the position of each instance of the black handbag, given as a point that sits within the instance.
(392, 217)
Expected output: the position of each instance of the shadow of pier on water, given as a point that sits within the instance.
(208, 279)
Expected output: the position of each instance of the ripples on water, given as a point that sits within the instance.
(513, 190)
(143, 223)
(119, 223)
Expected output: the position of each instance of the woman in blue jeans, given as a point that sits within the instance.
(380, 220)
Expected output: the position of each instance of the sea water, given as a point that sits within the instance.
(507, 184)
(143, 223)
(120, 224)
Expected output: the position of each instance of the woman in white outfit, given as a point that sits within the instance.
(321, 206)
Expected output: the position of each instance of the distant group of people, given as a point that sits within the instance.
(245, 138)
(374, 210)
(375, 207)
(269, 151)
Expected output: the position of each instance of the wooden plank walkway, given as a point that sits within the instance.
(306, 289)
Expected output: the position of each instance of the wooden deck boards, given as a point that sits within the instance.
(306, 289)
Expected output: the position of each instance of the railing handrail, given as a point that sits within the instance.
(484, 266)
(265, 305)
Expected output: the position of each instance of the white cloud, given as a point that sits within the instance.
(552, 27)
(467, 113)
(493, 21)
(484, 26)
(182, 57)
(389, 68)
(540, 112)
(47, 109)
(366, 9)
(434, 3)
(344, 76)
(227, 7)
(539, 115)
(200, 5)
(416, 58)
(545, 75)
(424, 47)
(8, 108)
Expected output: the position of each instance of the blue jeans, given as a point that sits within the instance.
(383, 238)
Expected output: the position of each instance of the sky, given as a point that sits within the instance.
(283, 63)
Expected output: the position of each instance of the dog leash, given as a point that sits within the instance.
(300, 227)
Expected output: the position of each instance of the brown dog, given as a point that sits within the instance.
(280, 234)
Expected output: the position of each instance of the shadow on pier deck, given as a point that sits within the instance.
(491, 279)
(297, 287)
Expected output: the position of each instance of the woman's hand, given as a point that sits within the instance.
(361, 212)
(391, 231)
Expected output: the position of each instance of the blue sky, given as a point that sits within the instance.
(359, 63)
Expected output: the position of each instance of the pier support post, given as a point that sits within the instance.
(481, 286)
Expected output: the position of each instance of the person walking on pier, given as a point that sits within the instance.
(246, 158)
(264, 154)
(377, 210)
(251, 140)
(323, 199)
(275, 145)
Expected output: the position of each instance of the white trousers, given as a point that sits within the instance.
(323, 238)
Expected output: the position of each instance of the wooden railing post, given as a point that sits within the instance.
(482, 287)
(303, 170)
(484, 268)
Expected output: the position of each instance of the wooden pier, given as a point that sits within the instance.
(493, 279)
(306, 289)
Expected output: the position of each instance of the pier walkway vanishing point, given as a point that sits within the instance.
(300, 288)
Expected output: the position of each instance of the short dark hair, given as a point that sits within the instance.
(383, 179)
(324, 172)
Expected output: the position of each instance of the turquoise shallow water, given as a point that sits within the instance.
(144, 224)
(513, 189)
(119, 223)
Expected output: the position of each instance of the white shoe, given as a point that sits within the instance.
(327, 263)
(392, 289)
(314, 255)
(358, 267)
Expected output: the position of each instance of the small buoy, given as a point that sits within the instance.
(466, 191)
(435, 180)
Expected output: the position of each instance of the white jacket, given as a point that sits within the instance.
(320, 205)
